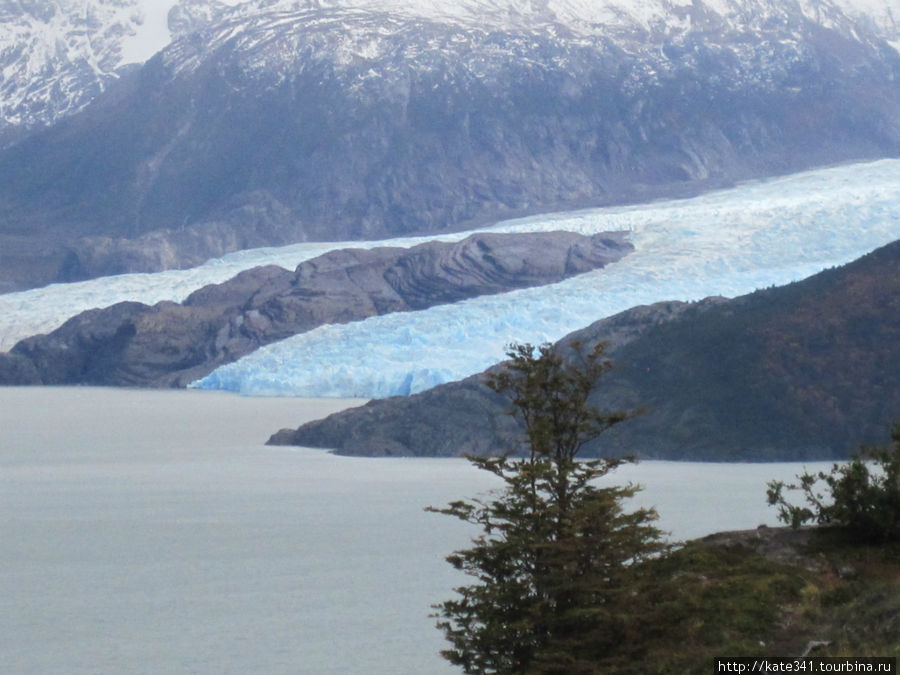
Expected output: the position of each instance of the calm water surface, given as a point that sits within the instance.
(153, 532)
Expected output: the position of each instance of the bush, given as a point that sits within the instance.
(863, 495)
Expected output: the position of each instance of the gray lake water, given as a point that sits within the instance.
(153, 532)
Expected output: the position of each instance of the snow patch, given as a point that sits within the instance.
(152, 34)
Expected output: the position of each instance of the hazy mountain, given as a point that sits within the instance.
(273, 122)
(801, 371)
(57, 56)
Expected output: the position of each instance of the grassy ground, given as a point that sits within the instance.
(770, 592)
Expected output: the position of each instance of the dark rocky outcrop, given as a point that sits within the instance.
(170, 344)
(807, 370)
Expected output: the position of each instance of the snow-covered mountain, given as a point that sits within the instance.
(58, 55)
(881, 15)
(271, 122)
(55, 56)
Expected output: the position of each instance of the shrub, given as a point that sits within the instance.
(861, 496)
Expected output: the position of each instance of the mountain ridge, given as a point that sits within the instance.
(57, 57)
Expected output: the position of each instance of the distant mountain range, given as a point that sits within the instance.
(56, 56)
(795, 372)
(270, 122)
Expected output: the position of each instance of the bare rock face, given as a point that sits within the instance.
(458, 418)
(170, 344)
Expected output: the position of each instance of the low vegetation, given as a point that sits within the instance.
(771, 592)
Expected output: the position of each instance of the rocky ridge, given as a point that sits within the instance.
(171, 344)
(465, 417)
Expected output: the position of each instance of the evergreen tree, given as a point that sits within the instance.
(556, 551)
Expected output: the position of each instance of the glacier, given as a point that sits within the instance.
(42, 310)
(726, 243)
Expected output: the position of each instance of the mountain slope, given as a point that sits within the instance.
(273, 126)
(795, 372)
(56, 57)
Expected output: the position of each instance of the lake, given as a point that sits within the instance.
(153, 531)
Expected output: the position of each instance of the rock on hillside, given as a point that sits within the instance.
(464, 417)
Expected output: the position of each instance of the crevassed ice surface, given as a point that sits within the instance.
(724, 243)
(835, 191)
(727, 242)
(42, 310)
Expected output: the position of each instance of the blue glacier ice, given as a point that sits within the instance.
(723, 243)
(726, 243)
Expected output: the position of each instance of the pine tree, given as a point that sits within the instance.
(556, 551)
